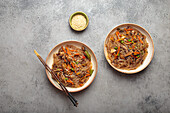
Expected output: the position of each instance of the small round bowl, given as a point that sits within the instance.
(49, 61)
(83, 14)
(150, 48)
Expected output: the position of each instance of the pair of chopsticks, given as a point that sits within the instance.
(73, 100)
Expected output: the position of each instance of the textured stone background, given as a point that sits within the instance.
(26, 25)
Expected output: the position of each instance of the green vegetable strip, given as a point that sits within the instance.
(91, 71)
(88, 55)
(66, 78)
(72, 69)
(116, 48)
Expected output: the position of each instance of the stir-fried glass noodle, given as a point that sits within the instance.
(126, 48)
(72, 66)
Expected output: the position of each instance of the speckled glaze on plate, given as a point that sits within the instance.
(49, 61)
(150, 48)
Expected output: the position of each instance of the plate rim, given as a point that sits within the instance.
(71, 41)
(128, 24)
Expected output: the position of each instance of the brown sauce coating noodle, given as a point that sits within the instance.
(126, 48)
(72, 65)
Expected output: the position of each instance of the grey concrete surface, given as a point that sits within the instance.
(26, 25)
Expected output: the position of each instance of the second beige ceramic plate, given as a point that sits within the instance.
(49, 62)
(150, 48)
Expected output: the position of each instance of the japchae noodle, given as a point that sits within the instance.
(72, 65)
(126, 48)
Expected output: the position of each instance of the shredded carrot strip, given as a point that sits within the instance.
(135, 53)
(115, 57)
(129, 29)
(74, 69)
(65, 60)
(68, 52)
(87, 75)
(71, 73)
(118, 51)
(83, 57)
(81, 84)
(77, 54)
(111, 38)
(123, 57)
(63, 49)
(121, 39)
(117, 34)
(73, 50)
(75, 65)
(128, 43)
(132, 38)
(72, 64)
(88, 71)
(70, 81)
(73, 58)
(125, 29)
(68, 67)
(140, 39)
(78, 73)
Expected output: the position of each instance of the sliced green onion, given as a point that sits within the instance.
(129, 40)
(72, 69)
(118, 55)
(132, 41)
(66, 78)
(138, 56)
(75, 62)
(116, 48)
(122, 41)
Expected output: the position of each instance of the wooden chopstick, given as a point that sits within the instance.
(73, 100)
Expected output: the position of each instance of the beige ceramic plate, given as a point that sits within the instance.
(49, 61)
(150, 48)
